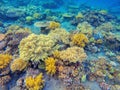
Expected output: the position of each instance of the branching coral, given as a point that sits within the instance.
(36, 47)
(4, 60)
(35, 83)
(79, 39)
(50, 66)
(18, 65)
(85, 28)
(60, 35)
(73, 54)
(54, 25)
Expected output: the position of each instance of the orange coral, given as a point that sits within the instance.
(5, 60)
(54, 25)
(79, 39)
(18, 64)
(2, 36)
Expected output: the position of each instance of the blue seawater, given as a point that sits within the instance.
(103, 16)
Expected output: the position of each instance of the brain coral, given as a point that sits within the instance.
(4, 60)
(79, 39)
(36, 47)
(18, 65)
(73, 54)
(50, 65)
(60, 35)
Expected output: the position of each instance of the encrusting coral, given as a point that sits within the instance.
(50, 66)
(18, 65)
(34, 83)
(73, 54)
(53, 25)
(5, 59)
(79, 39)
(36, 47)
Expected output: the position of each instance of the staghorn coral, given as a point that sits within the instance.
(79, 39)
(85, 28)
(60, 35)
(18, 65)
(34, 83)
(53, 25)
(73, 54)
(50, 65)
(36, 47)
(5, 60)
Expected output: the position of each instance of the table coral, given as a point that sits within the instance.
(18, 65)
(79, 39)
(35, 83)
(36, 47)
(73, 54)
(54, 25)
(4, 60)
(50, 65)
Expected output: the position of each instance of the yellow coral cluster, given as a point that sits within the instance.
(60, 35)
(18, 65)
(79, 39)
(85, 28)
(54, 25)
(5, 60)
(50, 66)
(36, 47)
(35, 83)
(73, 54)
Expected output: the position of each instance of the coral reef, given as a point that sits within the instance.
(73, 54)
(34, 83)
(36, 47)
(50, 66)
(18, 65)
(4, 80)
(5, 59)
(79, 39)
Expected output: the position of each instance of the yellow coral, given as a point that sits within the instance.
(50, 65)
(54, 25)
(56, 54)
(79, 16)
(36, 47)
(18, 65)
(35, 83)
(73, 54)
(5, 60)
(79, 39)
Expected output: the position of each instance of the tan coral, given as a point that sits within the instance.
(60, 35)
(73, 54)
